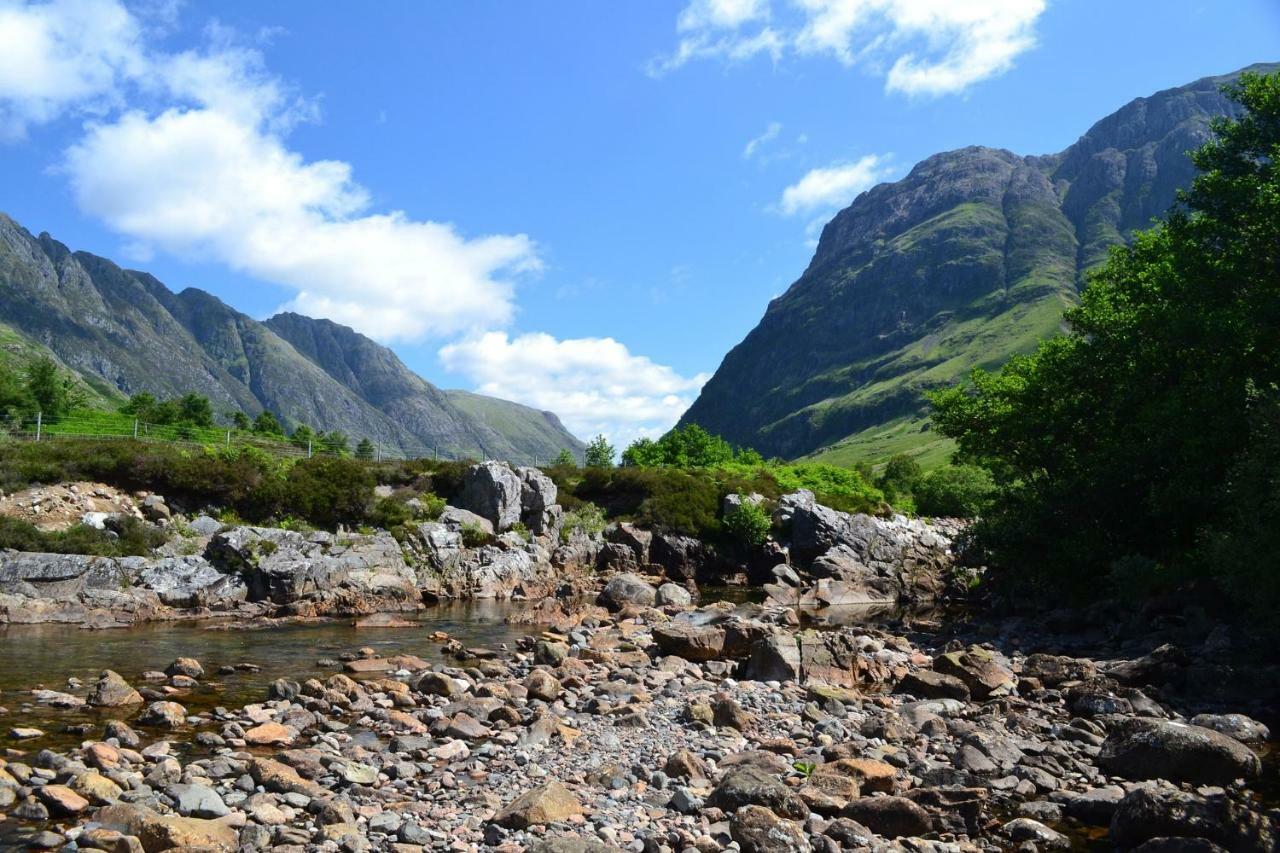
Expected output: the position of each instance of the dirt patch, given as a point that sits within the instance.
(62, 506)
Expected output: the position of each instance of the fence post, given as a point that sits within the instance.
(308, 449)
(377, 452)
(135, 428)
(39, 424)
(228, 438)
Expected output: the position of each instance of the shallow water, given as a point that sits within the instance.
(32, 656)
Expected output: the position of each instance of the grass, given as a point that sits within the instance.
(17, 351)
(876, 445)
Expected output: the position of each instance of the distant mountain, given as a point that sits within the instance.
(969, 259)
(123, 332)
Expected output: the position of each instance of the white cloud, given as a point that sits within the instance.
(62, 55)
(930, 47)
(833, 186)
(770, 134)
(594, 384)
(188, 153)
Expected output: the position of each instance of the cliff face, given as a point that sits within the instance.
(969, 259)
(124, 332)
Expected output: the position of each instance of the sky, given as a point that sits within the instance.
(577, 205)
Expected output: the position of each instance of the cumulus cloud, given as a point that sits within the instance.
(833, 186)
(930, 47)
(188, 152)
(769, 135)
(595, 384)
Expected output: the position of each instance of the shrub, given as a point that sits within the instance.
(132, 538)
(961, 491)
(748, 523)
(587, 518)
(328, 491)
(474, 536)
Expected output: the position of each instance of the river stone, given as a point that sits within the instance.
(892, 817)
(61, 800)
(691, 642)
(685, 764)
(542, 685)
(537, 500)
(1238, 726)
(566, 844)
(197, 801)
(1025, 829)
(96, 788)
(670, 593)
(1152, 811)
(271, 734)
(165, 714)
(493, 491)
(111, 690)
(1177, 751)
(359, 774)
(980, 670)
(751, 786)
(758, 830)
(627, 589)
(549, 803)
(189, 667)
(929, 684)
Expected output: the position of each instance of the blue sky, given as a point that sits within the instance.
(579, 205)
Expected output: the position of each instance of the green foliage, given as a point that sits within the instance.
(564, 457)
(599, 453)
(586, 518)
(1122, 441)
(840, 488)
(188, 410)
(267, 424)
(689, 446)
(133, 538)
(475, 536)
(958, 491)
(899, 476)
(748, 523)
(15, 402)
(303, 437)
(241, 421)
(327, 491)
(365, 449)
(335, 443)
(52, 392)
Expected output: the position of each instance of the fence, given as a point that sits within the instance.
(105, 425)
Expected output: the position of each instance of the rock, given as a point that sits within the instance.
(1179, 845)
(928, 684)
(549, 653)
(61, 800)
(542, 685)
(192, 581)
(828, 790)
(684, 764)
(282, 779)
(437, 684)
(549, 803)
(673, 594)
(689, 641)
(892, 817)
(1151, 811)
(1095, 806)
(359, 774)
(681, 557)
(384, 620)
(96, 788)
(537, 500)
(1177, 751)
(189, 667)
(980, 670)
(726, 712)
(758, 830)
(565, 844)
(25, 733)
(1053, 670)
(196, 801)
(495, 492)
(111, 690)
(750, 786)
(1025, 829)
(270, 734)
(635, 540)
(203, 525)
(164, 714)
(1244, 729)
(849, 833)
(626, 589)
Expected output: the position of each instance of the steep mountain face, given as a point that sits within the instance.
(123, 332)
(969, 259)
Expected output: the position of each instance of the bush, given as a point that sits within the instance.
(133, 538)
(748, 523)
(959, 491)
(475, 536)
(587, 518)
(327, 491)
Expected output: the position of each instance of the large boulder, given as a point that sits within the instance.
(759, 830)
(984, 672)
(828, 657)
(1160, 749)
(494, 491)
(538, 509)
(492, 572)
(633, 538)
(681, 557)
(192, 582)
(549, 803)
(691, 642)
(111, 691)
(752, 786)
(1151, 811)
(627, 589)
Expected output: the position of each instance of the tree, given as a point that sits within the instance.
(643, 453)
(899, 477)
(365, 449)
(53, 393)
(1110, 445)
(334, 443)
(599, 453)
(196, 410)
(689, 446)
(241, 421)
(304, 437)
(564, 457)
(142, 406)
(955, 491)
(15, 402)
(267, 424)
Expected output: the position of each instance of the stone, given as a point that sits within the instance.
(359, 774)
(685, 764)
(549, 803)
(282, 779)
(1244, 729)
(929, 684)
(751, 786)
(892, 817)
(189, 667)
(437, 684)
(96, 788)
(827, 790)
(270, 734)
(1024, 829)
(163, 714)
(1054, 670)
(493, 491)
(111, 690)
(673, 594)
(566, 844)
(1149, 749)
(692, 642)
(980, 670)
(203, 525)
(196, 801)
(537, 500)
(25, 733)
(548, 653)
(1151, 811)
(61, 800)
(542, 685)
(758, 830)
(627, 589)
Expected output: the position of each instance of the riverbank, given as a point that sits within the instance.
(649, 728)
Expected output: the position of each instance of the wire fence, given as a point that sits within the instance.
(105, 425)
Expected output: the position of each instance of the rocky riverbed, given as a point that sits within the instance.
(631, 725)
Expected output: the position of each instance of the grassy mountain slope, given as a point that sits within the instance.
(969, 259)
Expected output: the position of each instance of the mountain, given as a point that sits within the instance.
(969, 259)
(122, 331)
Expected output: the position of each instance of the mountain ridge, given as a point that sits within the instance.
(968, 259)
(123, 331)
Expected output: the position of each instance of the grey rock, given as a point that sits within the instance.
(627, 589)
(494, 491)
(1149, 749)
(197, 801)
(670, 593)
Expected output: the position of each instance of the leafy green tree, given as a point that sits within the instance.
(748, 523)
(957, 491)
(334, 443)
(899, 476)
(365, 449)
(564, 457)
(267, 424)
(241, 421)
(142, 406)
(15, 402)
(689, 446)
(53, 393)
(643, 453)
(1109, 444)
(196, 410)
(599, 453)
(304, 437)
